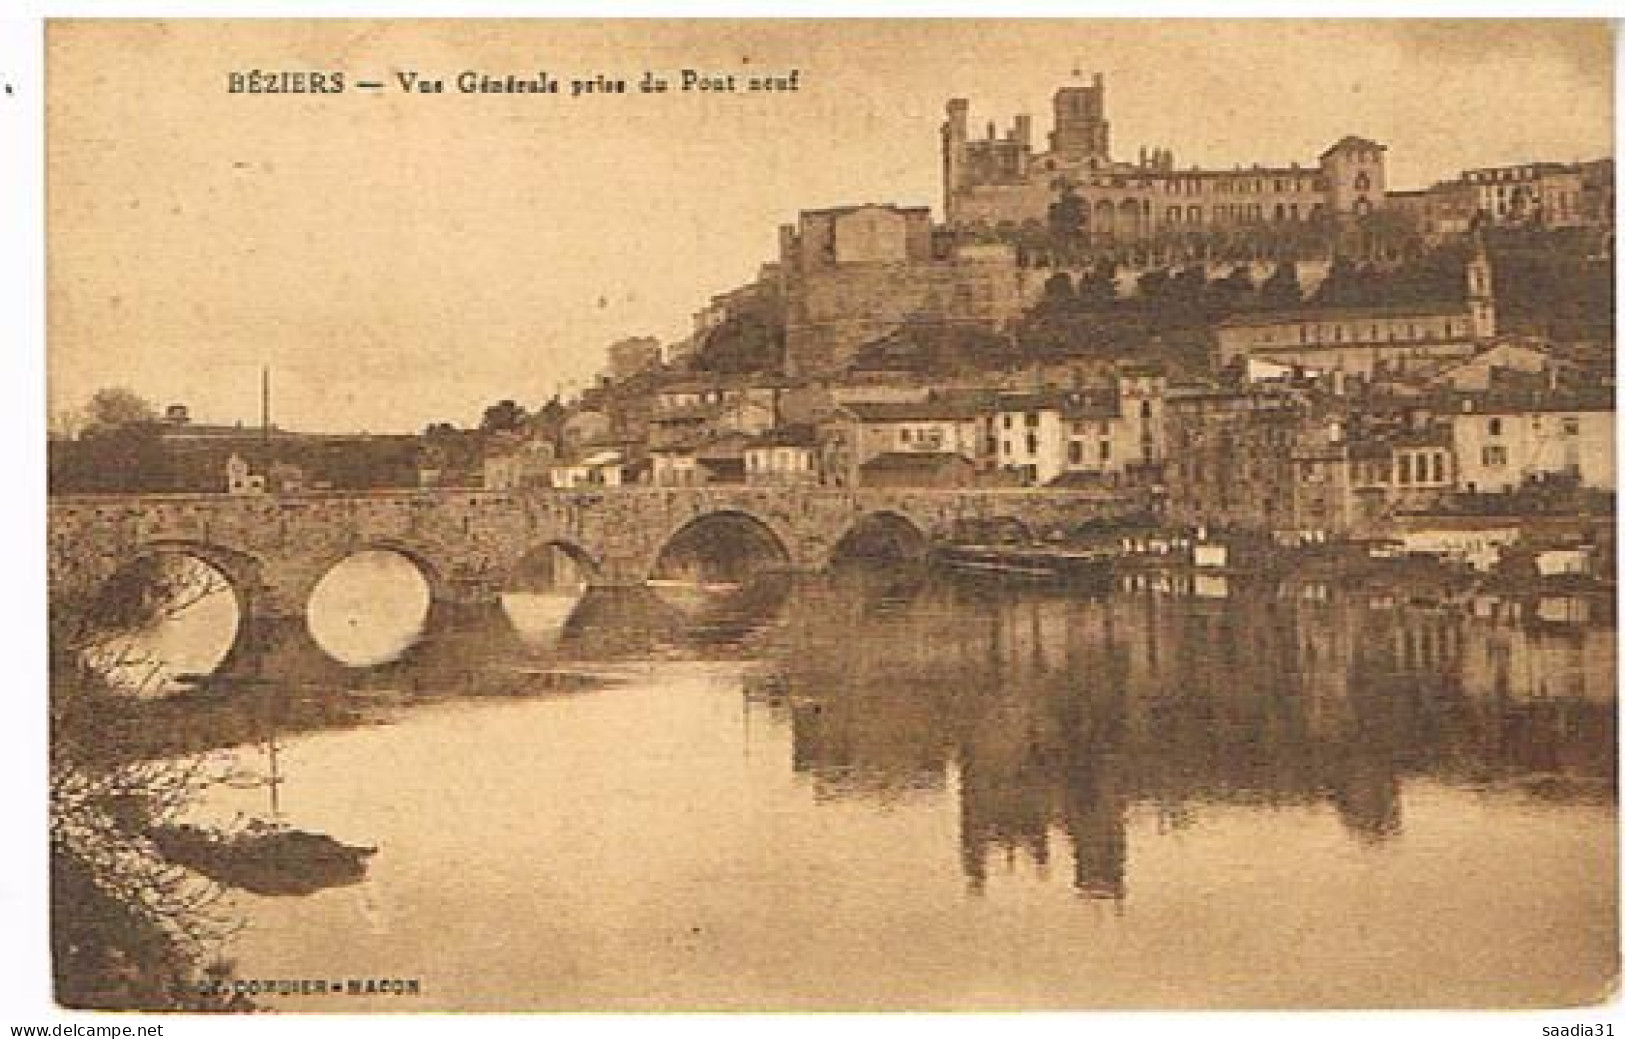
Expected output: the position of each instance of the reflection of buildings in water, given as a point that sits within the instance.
(1539, 662)
(1060, 713)
(892, 752)
(1021, 779)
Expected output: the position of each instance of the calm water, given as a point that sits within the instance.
(908, 794)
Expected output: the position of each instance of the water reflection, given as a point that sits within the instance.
(904, 792)
(539, 618)
(1060, 715)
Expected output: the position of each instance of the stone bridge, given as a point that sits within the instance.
(275, 548)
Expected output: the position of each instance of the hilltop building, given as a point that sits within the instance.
(1552, 195)
(853, 274)
(998, 181)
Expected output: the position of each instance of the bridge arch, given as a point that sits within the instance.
(243, 572)
(435, 573)
(729, 539)
(150, 624)
(538, 563)
(881, 535)
(372, 615)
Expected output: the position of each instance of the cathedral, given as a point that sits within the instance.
(1001, 182)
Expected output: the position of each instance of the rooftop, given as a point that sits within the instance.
(911, 411)
(1352, 141)
(1266, 319)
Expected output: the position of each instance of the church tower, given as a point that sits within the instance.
(1081, 130)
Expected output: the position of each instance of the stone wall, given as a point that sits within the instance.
(833, 311)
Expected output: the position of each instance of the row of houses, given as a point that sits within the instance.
(1297, 453)
(850, 435)
(1302, 464)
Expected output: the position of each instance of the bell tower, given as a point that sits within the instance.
(1081, 129)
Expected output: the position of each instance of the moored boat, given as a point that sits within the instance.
(1039, 563)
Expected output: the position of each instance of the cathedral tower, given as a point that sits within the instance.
(1081, 130)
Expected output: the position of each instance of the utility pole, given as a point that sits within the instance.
(265, 423)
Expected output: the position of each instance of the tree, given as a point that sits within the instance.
(1232, 292)
(1282, 290)
(1153, 286)
(1341, 286)
(116, 407)
(552, 414)
(130, 928)
(749, 341)
(1058, 294)
(1067, 215)
(504, 416)
(1097, 290)
(111, 459)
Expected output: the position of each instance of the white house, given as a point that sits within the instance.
(604, 469)
(1503, 447)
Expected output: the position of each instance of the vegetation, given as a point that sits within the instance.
(746, 342)
(130, 929)
(1553, 283)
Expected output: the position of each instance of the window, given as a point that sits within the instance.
(1404, 469)
(1571, 427)
(1495, 427)
(1074, 452)
(1032, 420)
(1032, 443)
(1495, 455)
(1105, 450)
(1008, 421)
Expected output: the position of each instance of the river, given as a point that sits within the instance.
(905, 792)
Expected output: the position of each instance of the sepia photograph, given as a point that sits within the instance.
(830, 515)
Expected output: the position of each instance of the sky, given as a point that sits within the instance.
(398, 258)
